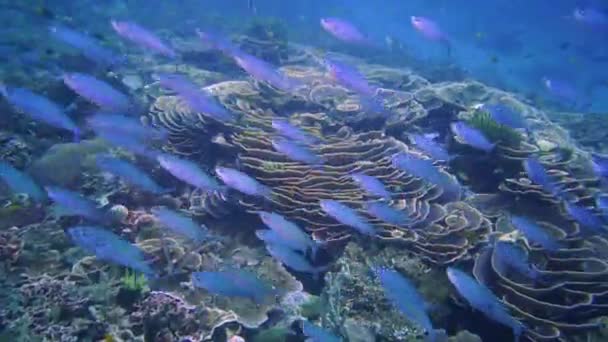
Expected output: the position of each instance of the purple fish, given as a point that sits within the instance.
(263, 71)
(289, 233)
(296, 152)
(371, 185)
(181, 224)
(591, 17)
(346, 216)
(110, 247)
(97, 91)
(471, 136)
(85, 44)
(387, 213)
(514, 257)
(424, 169)
(129, 173)
(39, 108)
(242, 182)
(290, 131)
(188, 172)
(294, 260)
(218, 42)
(430, 147)
(349, 77)
(125, 125)
(561, 89)
(586, 218)
(234, 283)
(430, 30)
(141, 36)
(482, 299)
(599, 164)
(538, 175)
(125, 141)
(534, 233)
(196, 99)
(71, 203)
(343, 30)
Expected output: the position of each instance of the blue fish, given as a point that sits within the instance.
(387, 213)
(88, 46)
(121, 124)
(142, 37)
(234, 283)
(424, 169)
(288, 233)
(471, 136)
(71, 203)
(217, 41)
(430, 147)
(20, 183)
(349, 77)
(561, 89)
(294, 133)
(347, 216)
(482, 299)
(318, 334)
(97, 92)
(405, 297)
(585, 218)
(296, 152)
(600, 165)
(515, 258)
(505, 115)
(39, 108)
(181, 224)
(129, 173)
(294, 260)
(195, 98)
(263, 71)
(188, 172)
(125, 141)
(242, 182)
(601, 202)
(538, 175)
(108, 246)
(371, 185)
(535, 233)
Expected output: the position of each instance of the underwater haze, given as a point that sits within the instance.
(264, 170)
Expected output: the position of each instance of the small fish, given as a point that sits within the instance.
(143, 37)
(505, 115)
(242, 182)
(371, 185)
(294, 260)
(601, 202)
(88, 46)
(388, 214)
(234, 283)
(108, 246)
(405, 297)
(561, 89)
(482, 299)
(349, 77)
(251, 6)
(591, 17)
(126, 141)
(318, 334)
(430, 147)
(71, 203)
(289, 233)
(263, 71)
(296, 152)
(515, 258)
(20, 183)
(218, 42)
(181, 224)
(97, 92)
(129, 173)
(346, 216)
(430, 30)
(424, 169)
(284, 128)
(196, 99)
(343, 30)
(188, 172)
(585, 218)
(126, 125)
(535, 233)
(39, 108)
(538, 175)
(599, 164)
(471, 136)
